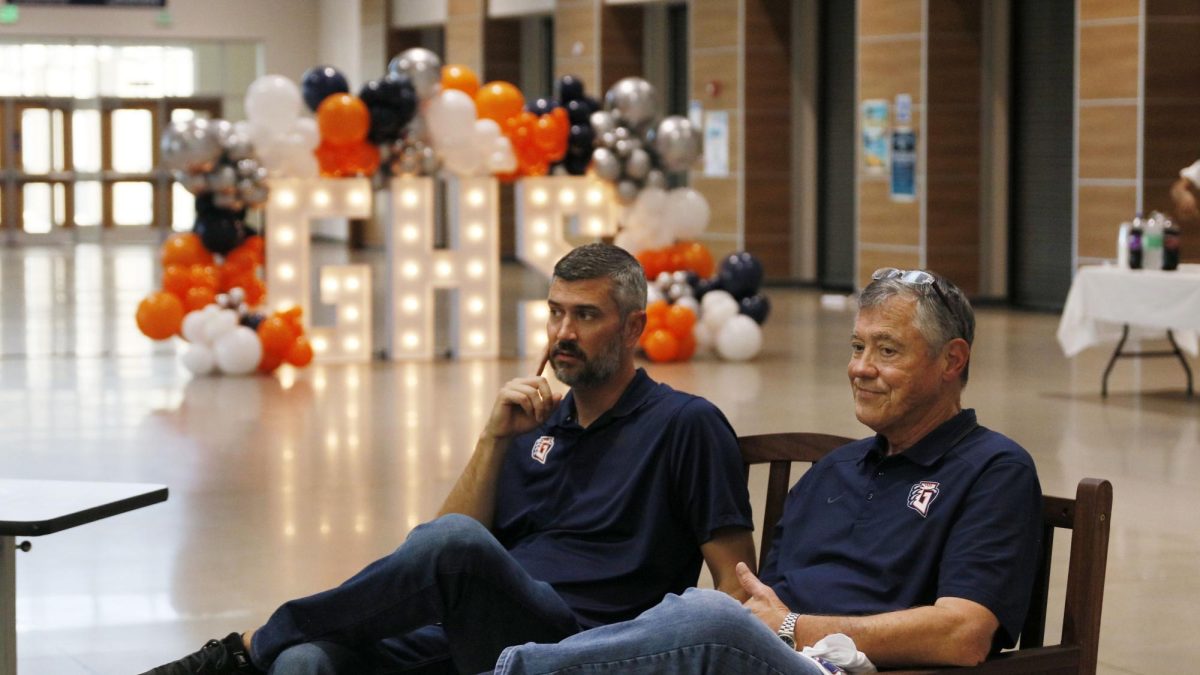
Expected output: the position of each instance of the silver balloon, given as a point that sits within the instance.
(195, 183)
(192, 146)
(679, 277)
(656, 179)
(223, 179)
(677, 142)
(237, 296)
(627, 191)
(228, 200)
(430, 162)
(637, 166)
(602, 122)
(679, 290)
(624, 148)
(222, 300)
(634, 100)
(252, 192)
(247, 168)
(423, 68)
(608, 139)
(606, 164)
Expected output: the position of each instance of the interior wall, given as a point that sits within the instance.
(286, 52)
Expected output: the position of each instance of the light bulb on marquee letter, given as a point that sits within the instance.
(543, 206)
(293, 204)
(471, 265)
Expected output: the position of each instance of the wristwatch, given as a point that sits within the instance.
(787, 630)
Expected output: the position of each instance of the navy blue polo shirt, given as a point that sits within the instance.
(612, 516)
(956, 515)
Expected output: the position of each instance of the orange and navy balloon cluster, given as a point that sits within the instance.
(538, 132)
(686, 256)
(668, 335)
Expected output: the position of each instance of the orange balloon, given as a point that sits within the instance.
(680, 320)
(185, 248)
(697, 258)
(255, 289)
(177, 279)
(499, 101)
(301, 353)
(269, 361)
(675, 259)
(460, 77)
(661, 346)
(242, 259)
(362, 159)
(343, 118)
(276, 335)
(256, 245)
(206, 276)
(687, 348)
(160, 315)
(199, 297)
(653, 262)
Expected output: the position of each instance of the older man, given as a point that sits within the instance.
(572, 513)
(919, 543)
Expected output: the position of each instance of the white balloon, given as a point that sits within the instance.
(653, 294)
(686, 213)
(198, 358)
(647, 212)
(739, 339)
(463, 158)
(451, 117)
(627, 240)
(218, 324)
(273, 102)
(486, 132)
(194, 326)
(717, 307)
(306, 133)
(689, 302)
(238, 351)
(502, 158)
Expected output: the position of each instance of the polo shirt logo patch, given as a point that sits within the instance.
(542, 447)
(921, 496)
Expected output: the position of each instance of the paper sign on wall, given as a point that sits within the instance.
(716, 143)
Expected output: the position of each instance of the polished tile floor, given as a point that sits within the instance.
(285, 485)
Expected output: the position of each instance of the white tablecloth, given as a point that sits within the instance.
(1103, 299)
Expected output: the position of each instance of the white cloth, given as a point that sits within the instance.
(1192, 173)
(1104, 298)
(841, 651)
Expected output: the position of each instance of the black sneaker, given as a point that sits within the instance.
(216, 657)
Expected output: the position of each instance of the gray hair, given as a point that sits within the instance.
(593, 261)
(939, 322)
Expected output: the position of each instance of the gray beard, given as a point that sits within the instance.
(596, 370)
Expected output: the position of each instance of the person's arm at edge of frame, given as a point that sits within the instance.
(722, 553)
(1183, 194)
(521, 405)
(952, 631)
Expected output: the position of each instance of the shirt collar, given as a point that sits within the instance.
(935, 444)
(636, 393)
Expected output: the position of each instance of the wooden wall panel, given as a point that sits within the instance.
(721, 194)
(889, 67)
(1108, 9)
(1108, 141)
(952, 229)
(716, 21)
(465, 34)
(621, 43)
(1102, 208)
(1108, 61)
(719, 65)
(575, 41)
(883, 221)
(889, 17)
(716, 33)
(870, 260)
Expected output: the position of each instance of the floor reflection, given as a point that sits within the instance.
(284, 485)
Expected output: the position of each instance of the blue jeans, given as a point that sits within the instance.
(700, 631)
(451, 572)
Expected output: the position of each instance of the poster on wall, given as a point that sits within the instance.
(904, 165)
(716, 143)
(874, 126)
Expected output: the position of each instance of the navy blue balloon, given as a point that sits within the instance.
(576, 165)
(320, 82)
(392, 103)
(570, 88)
(220, 230)
(541, 106)
(578, 111)
(251, 321)
(592, 103)
(579, 140)
(741, 274)
(703, 286)
(757, 307)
